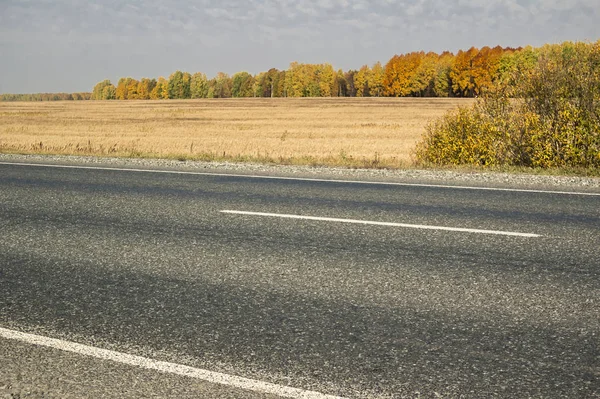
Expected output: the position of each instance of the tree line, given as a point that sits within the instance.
(417, 74)
(47, 97)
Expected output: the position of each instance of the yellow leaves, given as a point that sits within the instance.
(310, 80)
(160, 90)
(368, 82)
(554, 121)
(399, 72)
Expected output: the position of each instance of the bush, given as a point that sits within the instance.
(549, 118)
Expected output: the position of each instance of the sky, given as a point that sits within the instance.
(70, 45)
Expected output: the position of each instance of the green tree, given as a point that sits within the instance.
(109, 93)
(98, 91)
(220, 86)
(179, 85)
(516, 62)
(242, 85)
(199, 86)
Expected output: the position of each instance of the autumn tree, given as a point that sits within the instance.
(273, 81)
(361, 81)
(132, 89)
(463, 80)
(179, 85)
(342, 85)
(127, 89)
(242, 85)
(161, 90)
(266, 84)
(549, 118)
(442, 85)
(121, 90)
(422, 82)
(296, 80)
(220, 86)
(399, 73)
(325, 75)
(199, 85)
(109, 93)
(485, 68)
(310, 80)
(376, 82)
(350, 86)
(260, 85)
(99, 92)
(515, 63)
(279, 89)
(145, 87)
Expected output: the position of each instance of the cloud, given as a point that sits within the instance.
(153, 37)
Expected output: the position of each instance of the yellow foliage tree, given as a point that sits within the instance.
(399, 72)
(463, 81)
(376, 82)
(161, 90)
(361, 81)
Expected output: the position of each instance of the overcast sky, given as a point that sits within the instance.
(69, 45)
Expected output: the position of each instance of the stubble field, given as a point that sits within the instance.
(364, 132)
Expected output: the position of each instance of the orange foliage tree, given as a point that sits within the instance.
(399, 72)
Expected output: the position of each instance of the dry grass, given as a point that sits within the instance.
(369, 132)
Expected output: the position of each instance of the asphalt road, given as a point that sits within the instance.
(147, 264)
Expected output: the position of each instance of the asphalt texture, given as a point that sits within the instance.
(145, 263)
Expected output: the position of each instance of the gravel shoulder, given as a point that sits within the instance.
(425, 176)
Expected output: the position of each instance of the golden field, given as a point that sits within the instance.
(365, 132)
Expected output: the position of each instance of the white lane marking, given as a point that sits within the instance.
(165, 367)
(412, 226)
(181, 172)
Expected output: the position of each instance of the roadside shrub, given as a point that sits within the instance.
(549, 118)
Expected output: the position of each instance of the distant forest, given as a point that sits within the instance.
(46, 97)
(418, 74)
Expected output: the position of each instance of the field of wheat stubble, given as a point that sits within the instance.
(359, 132)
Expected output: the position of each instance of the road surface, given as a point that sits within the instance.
(327, 287)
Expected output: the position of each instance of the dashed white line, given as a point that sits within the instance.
(375, 223)
(366, 182)
(165, 367)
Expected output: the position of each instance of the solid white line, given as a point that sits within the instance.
(180, 172)
(165, 367)
(412, 226)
